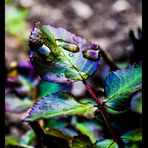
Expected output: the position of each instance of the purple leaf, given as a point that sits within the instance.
(61, 56)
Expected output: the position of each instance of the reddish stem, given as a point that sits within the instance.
(93, 95)
(104, 115)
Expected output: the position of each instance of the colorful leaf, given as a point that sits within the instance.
(107, 143)
(58, 104)
(119, 86)
(81, 142)
(60, 56)
(133, 135)
(14, 142)
(56, 123)
(46, 88)
(61, 124)
(89, 129)
(11, 140)
(62, 139)
(28, 138)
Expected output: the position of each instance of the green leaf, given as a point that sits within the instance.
(62, 124)
(89, 129)
(60, 136)
(81, 142)
(46, 88)
(133, 135)
(56, 132)
(119, 86)
(28, 138)
(58, 104)
(63, 57)
(14, 142)
(107, 143)
(132, 146)
(56, 123)
(115, 112)
(70, 132)
(11, 140)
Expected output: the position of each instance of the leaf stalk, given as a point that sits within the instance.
(104, 115)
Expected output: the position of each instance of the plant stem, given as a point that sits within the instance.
(37, 129)
(104, 115)
(108, 59)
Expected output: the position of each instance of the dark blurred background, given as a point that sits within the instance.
(105, 22)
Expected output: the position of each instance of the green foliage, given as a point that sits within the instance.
(108, 143)
(119, 86)
(56, 134)
(58, 104)
(52, 123)
(11, 140)
(28, 138)
(46, 88)
(133, 135)
(63, 120)
(61, 57)
(81, 142)
(14, 142)
(90, 129)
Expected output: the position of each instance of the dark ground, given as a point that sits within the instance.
(105, 22)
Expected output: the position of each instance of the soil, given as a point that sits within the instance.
(104, 22)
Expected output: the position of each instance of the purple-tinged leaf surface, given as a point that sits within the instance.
(120, 84)
(59, 104)
(61, 56)
(46, 88)
(107, 143)
(132, 135)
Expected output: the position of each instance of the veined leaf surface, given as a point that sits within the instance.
(46, 88)
(133, 135)
(59, 104)
(61, 56)
(107, 143)
(119, 85)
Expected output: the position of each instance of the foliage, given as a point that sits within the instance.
(65, 57)
(60, 118)
(119, 85)
(58, 104)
